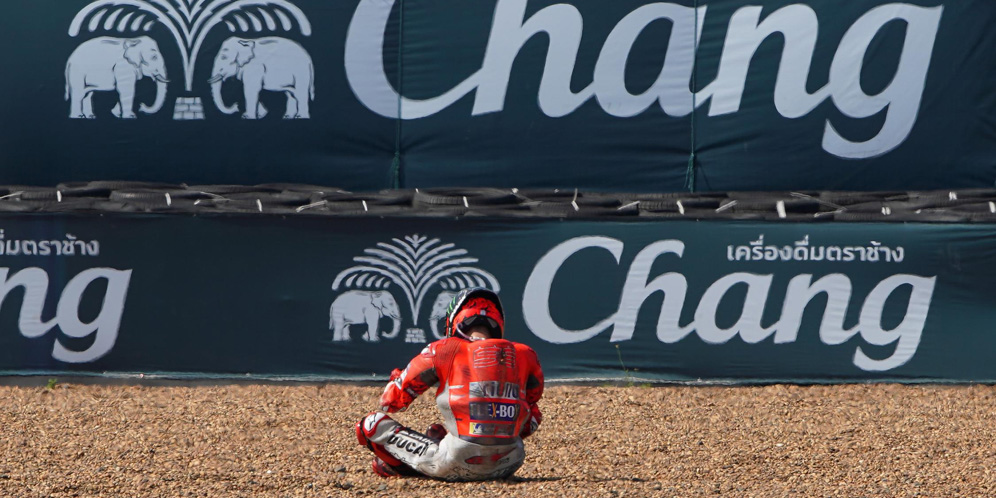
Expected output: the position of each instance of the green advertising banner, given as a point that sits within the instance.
(352, 298)
(629, 95)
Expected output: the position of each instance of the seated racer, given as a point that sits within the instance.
(487, 395)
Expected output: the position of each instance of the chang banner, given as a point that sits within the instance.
(334, 298)
(629, 95)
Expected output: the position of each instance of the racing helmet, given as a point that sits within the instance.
(472, 307)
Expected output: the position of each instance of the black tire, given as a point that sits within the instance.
(629, 197)
(568, 210)
(36, 194)
(156, 196)
(659, 206)
(987, 207)
(670, 215)
(850, 198)
(436, 212)
(175, 206)
(977, 194)
(941, 201)
(381, 198)
(48, 206)
(104, 188)
(954, 194)
(512, 211)
(712, 214)
(242, 206)
(15, 206)
(283, 198)
(105, 206)
(394, 197)
(463, 197)
(347, 205)
(372, 210)
(591, 199)
(686, 203)
(939, 216)
(878, 207)
(551, 209)
(296, 187)
(70, 205)
(225, 189)
(745, 204)
(365, 202)
(780, 194)
(851, 216)
(982, 217)
(806, 218)
(550, 194)
(771, 205)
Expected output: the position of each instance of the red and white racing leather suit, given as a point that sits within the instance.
(488, 390)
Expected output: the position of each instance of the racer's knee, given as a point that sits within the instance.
(367, 431)
(366, 428)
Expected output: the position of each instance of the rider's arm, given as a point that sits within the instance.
(408, 384)
(534, 391)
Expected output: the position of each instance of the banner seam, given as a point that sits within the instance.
(690, 169)
(396, 162)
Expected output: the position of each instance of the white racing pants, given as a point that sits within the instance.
(451, 459)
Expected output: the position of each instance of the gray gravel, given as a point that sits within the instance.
(298, 440)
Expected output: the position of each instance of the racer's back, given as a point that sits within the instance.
(483, 388)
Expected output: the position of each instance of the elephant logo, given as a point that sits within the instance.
(109, 64)
(419, 268)
(439, 312)
(367, 308)
(271, 63)
(267, 63)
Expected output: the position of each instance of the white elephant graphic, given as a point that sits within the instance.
(271, 63)
(366, 307)
(114, 64)
(439, 312)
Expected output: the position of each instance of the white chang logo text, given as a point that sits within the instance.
(34, 282)
(563, 25)
(801, 290)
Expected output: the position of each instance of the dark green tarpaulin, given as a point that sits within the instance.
(626, 95)
(664, 300)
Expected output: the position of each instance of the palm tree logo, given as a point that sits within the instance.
(417, 266)
(189, 21)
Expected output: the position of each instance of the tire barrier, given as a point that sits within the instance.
(287, 199)
(466, 198)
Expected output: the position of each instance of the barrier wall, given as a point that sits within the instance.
(331, 296)
(628, 95)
